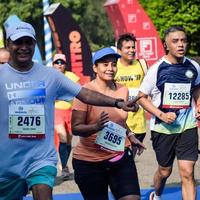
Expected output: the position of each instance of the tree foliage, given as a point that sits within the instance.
(184, 13)
(89, 14)
(93, 20)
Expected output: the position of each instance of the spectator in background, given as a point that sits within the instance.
(131, 72)
(4, 55)
(63, 118)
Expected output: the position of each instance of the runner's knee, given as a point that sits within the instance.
(165, 172)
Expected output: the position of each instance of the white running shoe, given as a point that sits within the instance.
(152, 196)
(65, 174)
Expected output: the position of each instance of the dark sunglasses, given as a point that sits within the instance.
(59, 62)
(23, 41)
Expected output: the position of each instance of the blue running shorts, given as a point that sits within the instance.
(17, 187)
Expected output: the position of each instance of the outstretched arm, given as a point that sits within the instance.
(95, 98)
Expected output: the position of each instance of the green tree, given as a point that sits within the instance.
(88, 13)
(93, 21)
(184, 13)
(95, 24)
(27, 10)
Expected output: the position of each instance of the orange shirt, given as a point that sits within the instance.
(86, 148)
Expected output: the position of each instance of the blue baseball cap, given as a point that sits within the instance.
(104, 52)
(19, 30)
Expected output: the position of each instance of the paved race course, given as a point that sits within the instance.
(173, 193)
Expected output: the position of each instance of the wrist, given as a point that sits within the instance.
(130, 134)
(160, 115)
(117, 101)
(96, 127)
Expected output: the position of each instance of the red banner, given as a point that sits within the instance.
(129, 16)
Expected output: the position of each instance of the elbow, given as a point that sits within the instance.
(75, 132)
(83, 95)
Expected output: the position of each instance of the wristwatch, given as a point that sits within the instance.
(117, 101)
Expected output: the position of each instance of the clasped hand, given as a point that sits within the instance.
(130, 105)
(168, 117)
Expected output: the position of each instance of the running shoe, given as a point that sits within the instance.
(151, 196)
(65, 174)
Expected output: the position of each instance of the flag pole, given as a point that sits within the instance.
(47, 36)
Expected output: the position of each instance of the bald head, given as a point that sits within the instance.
(4, 55)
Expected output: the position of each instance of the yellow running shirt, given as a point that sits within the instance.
(131, 76)
(63, 104)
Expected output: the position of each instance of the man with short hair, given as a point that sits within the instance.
(131, 72)
(28, 92)
(171, 82)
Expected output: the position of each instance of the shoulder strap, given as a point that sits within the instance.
(143, 64)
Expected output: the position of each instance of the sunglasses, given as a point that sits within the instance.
(59, 62)
(23, 41)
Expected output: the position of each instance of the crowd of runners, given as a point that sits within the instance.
(107, 113)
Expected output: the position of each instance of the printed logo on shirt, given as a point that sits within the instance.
(25, 85)
(26, 109)
(128, 78)
(27, 92)
(189, 74)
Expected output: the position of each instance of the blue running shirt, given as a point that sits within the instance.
(27, 106)
(170, 87)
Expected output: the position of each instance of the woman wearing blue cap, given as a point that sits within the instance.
(103, 156)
